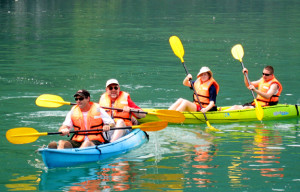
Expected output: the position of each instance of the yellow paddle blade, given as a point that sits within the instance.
(258, 110)
(211, 128)
(23, 135)
(171, 116)
(152, 126)
(237, 52)
(51, 101)
(177, 47)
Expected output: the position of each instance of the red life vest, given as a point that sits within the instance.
(120, 102)
(264, 87)
(94, 121)
(202, 90)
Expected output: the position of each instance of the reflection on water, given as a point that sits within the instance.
(202, 169)
(204, 154)
(266, 153)
(243, 156)
(259, 158)
(187, 165)
(162, 181)
(114, 176)
(23, 183)
(260, 154)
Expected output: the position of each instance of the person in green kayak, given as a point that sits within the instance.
(207, 90)
(115, 98)
(268, 89)
(85, 115)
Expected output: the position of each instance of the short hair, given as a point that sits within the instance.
(270, 68)
(209, 74)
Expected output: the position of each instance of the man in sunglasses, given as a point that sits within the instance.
(85, 115)
(115, 98)
(268, 89)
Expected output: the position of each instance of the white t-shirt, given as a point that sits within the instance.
(105, 117)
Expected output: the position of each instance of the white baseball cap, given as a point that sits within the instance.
(111, 81)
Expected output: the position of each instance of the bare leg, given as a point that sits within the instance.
(234, 107)
(186, 106)
(52, 145)
(175, 105)
(87, 144)
(62, 144)
(237, 107)
(119, 132)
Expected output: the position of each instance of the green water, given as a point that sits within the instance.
(58, 47)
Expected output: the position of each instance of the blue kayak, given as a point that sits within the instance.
(70, 157)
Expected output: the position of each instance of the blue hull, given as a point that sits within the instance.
(70, 157)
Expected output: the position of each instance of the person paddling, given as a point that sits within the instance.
(85, 115)
(207, 89)
(115, 98)
(268, 89)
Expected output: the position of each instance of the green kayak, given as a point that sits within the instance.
(276, 112)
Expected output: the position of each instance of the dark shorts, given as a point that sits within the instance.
(248, 104)
(77, 144)
(253, 104)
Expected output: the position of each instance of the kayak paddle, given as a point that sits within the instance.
(178, 50)
(51, 101)
(24, 135)
(54, 101)
(171, 116)
(237, 52)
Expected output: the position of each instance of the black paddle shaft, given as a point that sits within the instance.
(248, 80)
(119, 109)
(190, 80)
(55, 133)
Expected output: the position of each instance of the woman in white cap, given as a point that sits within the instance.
(207, 90)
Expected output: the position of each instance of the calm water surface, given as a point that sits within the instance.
(58, 47)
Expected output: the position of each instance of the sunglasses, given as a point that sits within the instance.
(80, 99)
(111, 88)
(266, 74)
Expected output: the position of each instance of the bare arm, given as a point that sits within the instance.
(186, 81)
(67, 125)
(254, 83)
(140, 115)
(136, 114)
(208, 107)
(65, 130)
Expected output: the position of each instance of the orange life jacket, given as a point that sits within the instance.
(202, 90)
(264, 86)
(94, 121)
(120, 102)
